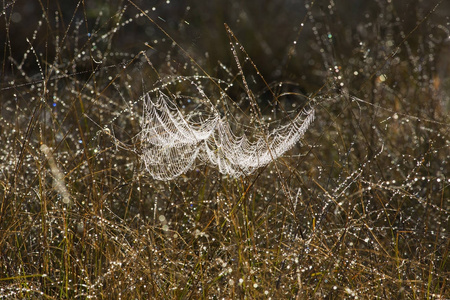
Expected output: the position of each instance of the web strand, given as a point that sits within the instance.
(172, 144)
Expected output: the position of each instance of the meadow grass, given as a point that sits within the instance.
(358, 210)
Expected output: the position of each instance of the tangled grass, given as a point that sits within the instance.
(358, 210)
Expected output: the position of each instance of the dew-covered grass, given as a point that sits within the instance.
(358, 209)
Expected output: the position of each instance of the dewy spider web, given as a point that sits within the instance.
(172, 143)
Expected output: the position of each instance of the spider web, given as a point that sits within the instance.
(172, 144)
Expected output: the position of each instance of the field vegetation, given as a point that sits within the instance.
(357, 209)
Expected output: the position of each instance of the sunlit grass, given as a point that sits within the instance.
(358, 209)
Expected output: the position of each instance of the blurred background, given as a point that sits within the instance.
(295, 41)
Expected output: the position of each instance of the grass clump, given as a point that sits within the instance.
(358, 209)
